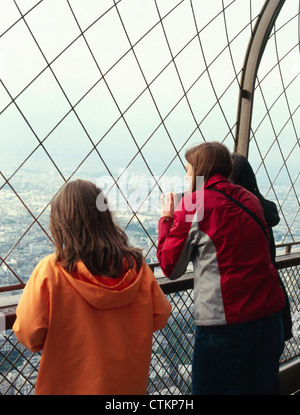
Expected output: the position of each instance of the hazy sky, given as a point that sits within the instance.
(133, 70)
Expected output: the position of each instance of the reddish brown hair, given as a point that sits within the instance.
(82, 232)
(208, 159)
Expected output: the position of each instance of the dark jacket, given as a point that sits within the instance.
(272, 219)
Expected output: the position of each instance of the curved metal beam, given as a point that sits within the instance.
(255, 50)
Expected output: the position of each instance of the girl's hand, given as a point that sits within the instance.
(167, 204)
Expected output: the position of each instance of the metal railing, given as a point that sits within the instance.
(170, 371)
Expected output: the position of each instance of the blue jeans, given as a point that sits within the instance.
(238, 359)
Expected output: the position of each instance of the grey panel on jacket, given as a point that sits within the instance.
(208, 301)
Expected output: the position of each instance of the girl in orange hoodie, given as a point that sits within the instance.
(93, 306)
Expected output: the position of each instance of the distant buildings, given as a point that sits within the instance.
(172, 347)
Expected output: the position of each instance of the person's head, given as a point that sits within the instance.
(208, 159)
(82, 232)
(242, 173)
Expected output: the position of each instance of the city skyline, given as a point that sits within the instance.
(141, 225)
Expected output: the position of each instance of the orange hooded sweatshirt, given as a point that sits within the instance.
(96, 337)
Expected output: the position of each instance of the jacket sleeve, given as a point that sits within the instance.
(175, 243)
(32, 319)
(270, 211)
(161, 307)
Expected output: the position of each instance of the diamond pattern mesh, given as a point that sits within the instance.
(108, 90)
(274, 146)
(19, 367)
(111, 89)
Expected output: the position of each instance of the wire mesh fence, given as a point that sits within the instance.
(170, 370)
(118, 89)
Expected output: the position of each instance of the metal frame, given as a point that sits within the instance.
(255, 50)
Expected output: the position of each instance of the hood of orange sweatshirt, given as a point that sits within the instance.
(101, 295)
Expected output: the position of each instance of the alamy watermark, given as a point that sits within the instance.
(142, 194)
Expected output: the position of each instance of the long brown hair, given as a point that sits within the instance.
(208, 159)
(82, 232)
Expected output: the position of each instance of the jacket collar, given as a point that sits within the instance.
(215, 179)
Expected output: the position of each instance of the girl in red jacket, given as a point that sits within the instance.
(93, 306)
(237, 295)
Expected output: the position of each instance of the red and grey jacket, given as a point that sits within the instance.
(234, 278)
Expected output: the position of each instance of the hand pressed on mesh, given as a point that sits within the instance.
(168, 203)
